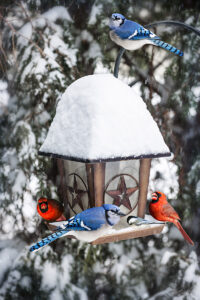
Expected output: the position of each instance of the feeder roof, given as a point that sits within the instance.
(100, 118)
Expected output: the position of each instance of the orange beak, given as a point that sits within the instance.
(154, 196)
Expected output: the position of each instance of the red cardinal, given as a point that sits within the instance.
(50, 210)
(161, 210)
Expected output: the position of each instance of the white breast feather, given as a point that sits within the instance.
(129, 44)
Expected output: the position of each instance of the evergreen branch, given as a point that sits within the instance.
(18, 33)
(157, 87)
(15, 32)
(154, 68)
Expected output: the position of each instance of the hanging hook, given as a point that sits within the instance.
(176, 23)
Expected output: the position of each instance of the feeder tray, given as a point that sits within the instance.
(123, 231)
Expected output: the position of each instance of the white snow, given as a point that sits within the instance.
(166, 257)
(7, 256)
(96, 9)
(57, 12)
(4, 97)
(100, 117)
(164, 177)
(19, 182)
(49, 275)
(27, 149)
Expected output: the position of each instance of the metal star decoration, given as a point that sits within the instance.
(76, 194)
(122, 193)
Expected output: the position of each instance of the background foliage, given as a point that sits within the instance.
(44, 46)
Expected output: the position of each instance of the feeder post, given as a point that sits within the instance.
(62, 186)
(99, 183)
(90, 181)
(144, 172)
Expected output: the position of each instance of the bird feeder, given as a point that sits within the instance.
(104, 139)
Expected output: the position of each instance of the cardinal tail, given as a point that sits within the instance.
(54, 236)
(168, 47)
(184, 234)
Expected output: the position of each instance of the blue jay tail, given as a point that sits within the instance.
(48, 240)
(167, 46)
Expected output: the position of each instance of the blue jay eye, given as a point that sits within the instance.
(115, 17)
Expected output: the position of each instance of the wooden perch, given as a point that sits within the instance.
(124, 231)
(121, 231)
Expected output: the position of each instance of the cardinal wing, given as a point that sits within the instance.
(169, 211)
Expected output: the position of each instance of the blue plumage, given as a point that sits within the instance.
(88, 220)
(131, 35)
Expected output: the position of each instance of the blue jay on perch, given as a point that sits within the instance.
(131, 35)
(89, 220)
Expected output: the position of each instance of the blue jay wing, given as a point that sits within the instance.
(133, 31)
(92, 218)
(127, 29)
(142, 33)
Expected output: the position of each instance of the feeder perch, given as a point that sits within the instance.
(104, 139)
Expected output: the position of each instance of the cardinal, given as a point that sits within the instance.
(51, 210)
(161, 210)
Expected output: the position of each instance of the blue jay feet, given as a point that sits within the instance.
(91, 220)
(131, 35)
(133, 220)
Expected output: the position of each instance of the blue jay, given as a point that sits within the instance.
(131, 35)
(90, 220)
(133, 220)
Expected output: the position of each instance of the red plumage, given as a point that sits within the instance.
(50, 210)
(161, 210)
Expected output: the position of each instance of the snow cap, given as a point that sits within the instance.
(100, 118)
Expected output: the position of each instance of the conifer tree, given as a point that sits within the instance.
(44, 47)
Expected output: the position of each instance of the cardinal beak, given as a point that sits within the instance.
(154, 196)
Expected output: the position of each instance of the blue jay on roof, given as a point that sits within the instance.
(91, 220)
(131, 35)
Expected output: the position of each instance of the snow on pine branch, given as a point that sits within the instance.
(41, 60)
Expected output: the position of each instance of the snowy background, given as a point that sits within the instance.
(44, 47)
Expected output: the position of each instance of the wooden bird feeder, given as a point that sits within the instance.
(104, 139)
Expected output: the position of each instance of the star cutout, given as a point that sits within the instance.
(122, 193)
(76, 194)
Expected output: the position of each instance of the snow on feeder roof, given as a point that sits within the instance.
(100, 118)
